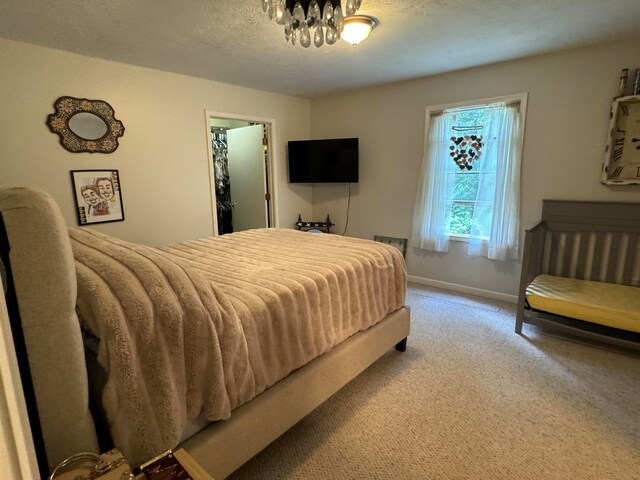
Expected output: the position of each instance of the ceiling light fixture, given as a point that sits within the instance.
(357, 28)
(325, 17)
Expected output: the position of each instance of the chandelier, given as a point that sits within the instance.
(324, 19)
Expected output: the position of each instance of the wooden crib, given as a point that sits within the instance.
(586, 242)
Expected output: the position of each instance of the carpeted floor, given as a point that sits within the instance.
(470, 399)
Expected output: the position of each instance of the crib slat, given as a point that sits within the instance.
(609, 271)
(622, 258)
(567, 241)
(575, 251)
(596, 256)
(560, 254)
(633, 262)
(546, 255)
(554, 245)
(581, 261)
(590, 254)
(604, 258)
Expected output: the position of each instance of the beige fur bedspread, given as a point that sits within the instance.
(201, 327)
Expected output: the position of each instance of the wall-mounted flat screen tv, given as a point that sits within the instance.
(323, 161)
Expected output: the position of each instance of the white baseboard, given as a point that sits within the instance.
(505, 297)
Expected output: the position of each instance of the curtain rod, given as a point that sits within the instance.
(437, 113)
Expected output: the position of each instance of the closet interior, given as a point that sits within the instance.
(224, 204)
(240, 174)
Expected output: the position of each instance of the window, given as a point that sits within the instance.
(470, 180)
(468, 131)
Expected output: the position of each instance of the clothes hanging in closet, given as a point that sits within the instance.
(222, 181)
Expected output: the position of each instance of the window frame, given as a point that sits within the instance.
(474, 104)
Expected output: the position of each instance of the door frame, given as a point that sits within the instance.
(270, 168)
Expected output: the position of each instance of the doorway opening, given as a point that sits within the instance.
(240, 170)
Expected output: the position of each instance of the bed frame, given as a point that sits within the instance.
(597, 241)
(40, 297)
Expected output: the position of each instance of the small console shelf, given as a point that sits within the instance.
(306, 226)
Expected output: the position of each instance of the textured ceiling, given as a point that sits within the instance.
(234, 42)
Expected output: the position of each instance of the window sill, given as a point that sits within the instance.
(464, 238)
(459, 238)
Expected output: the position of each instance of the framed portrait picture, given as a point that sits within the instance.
(98, 196)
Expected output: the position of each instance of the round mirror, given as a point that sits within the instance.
(87, 125)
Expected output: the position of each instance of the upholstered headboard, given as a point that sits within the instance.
(42, 271)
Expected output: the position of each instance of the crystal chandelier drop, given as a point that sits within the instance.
(300, 17)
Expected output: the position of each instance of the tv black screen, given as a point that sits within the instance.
(323, 161)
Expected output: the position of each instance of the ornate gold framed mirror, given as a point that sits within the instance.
(85, 125)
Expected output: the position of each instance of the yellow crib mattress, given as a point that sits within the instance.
(616, 306)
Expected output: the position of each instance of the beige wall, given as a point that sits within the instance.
(570, 95)
(162, 157)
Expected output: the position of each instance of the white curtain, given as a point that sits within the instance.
(495, 220)
(496, 216)
(431, 214)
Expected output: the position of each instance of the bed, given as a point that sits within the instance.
(293, 321)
